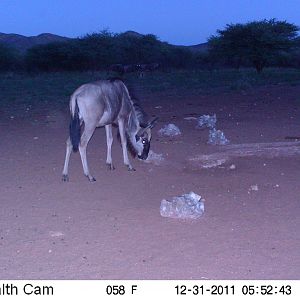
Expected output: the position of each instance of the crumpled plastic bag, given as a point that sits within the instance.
(187, 206)
(207, 121)
(169, 130)
(217, 137)
(154, 158)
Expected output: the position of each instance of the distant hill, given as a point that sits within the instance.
(194, 48)
(199, 48)
(22, 43)
(131, 33)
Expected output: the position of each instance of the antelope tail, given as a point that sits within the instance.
(75, 128)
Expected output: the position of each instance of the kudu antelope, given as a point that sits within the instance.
(103, 103)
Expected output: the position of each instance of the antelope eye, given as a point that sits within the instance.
(144, 141)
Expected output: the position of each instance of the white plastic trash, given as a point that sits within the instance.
(154, 158)
(187, 206)
(207, 121)
(217, 137)
(169, 130)
(190, 118)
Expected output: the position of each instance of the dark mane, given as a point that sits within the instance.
(113, 79)
(140, 113)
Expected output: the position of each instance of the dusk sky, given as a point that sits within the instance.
(180, 22)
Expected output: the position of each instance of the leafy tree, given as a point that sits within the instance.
(8, 58)
(139, 49)
(97, 51)
(257, 42)
(58, 56)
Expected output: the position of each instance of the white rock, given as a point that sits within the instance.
(169, 130)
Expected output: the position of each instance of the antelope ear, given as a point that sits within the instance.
(152, 123)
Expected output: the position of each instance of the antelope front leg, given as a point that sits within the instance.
(124, 145)
(109, 141)
(65, 176)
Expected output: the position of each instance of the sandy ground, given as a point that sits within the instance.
(112, 229)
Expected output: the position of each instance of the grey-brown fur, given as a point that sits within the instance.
(104, 103)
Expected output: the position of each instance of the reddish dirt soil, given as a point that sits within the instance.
(112, 228)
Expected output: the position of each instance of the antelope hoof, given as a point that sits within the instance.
(130, 168)
(110, 166)
(65, 178)
(91, 178)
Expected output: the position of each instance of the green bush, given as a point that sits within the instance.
(9, 59)
(98, 51)
(259, 43)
